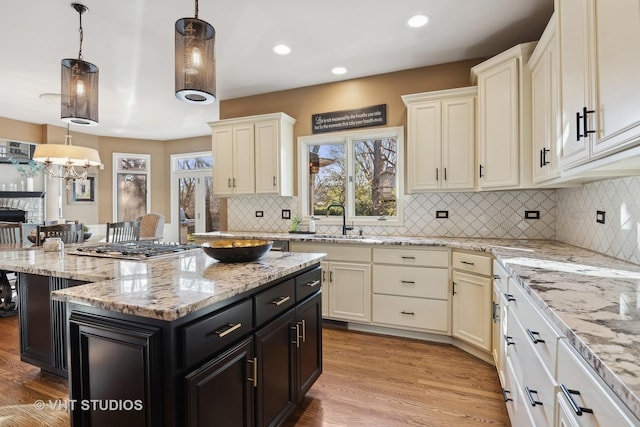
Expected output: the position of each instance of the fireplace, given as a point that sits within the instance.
(12, 215)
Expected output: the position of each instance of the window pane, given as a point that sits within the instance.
(195, 163)
(375, 177)
(132, 164)
(132, 196)
(327, 176)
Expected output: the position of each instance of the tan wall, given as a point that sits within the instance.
(299, 103)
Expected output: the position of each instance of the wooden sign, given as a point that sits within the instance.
(375, 115)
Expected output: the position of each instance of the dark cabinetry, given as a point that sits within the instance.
(242, 364)
(43, 322)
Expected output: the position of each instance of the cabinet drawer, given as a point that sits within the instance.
(539, 332)
(346, 253)
(308, 283)
(472, 263)
(425, 314)
(589, 391)
(536, 382)
(413, 257)
(274, 301)
(208, 336)
(419, 282)
(500, 277)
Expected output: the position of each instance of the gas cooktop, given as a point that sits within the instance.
(135, 250)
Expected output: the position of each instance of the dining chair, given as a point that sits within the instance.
(123, 231)
(10, 233)
(68, 233)
(151, 226)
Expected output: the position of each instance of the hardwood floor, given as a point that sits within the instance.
(368, 380)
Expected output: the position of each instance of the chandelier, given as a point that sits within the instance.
(195, 60)
(79, 102)
(66, 161)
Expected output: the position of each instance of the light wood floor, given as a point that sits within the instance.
(368, 380)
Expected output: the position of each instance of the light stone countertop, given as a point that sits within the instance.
(593, 299)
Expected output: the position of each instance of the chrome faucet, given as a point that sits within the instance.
(344, 217)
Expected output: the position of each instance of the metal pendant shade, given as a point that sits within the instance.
(195, 61)
(79, 86)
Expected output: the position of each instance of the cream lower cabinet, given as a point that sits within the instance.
(499, 318)
(346, 280)
(411, 289)
(472, 299)
(583, 398)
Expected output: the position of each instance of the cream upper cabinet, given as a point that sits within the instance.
(441, 139)
(599, 41)
(545, 105)
(253, 155)
(274, 156)
(504, 119)
(233, 159)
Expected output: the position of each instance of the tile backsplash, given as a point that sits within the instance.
(619, 236)
(494, 214)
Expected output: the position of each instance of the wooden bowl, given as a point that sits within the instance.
(237, 250)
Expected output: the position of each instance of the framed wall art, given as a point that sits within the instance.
(83, 191)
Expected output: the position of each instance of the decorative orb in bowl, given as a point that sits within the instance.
(237, 250)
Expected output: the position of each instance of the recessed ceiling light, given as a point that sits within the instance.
(339, 70)
(282, 49)
(418, 21)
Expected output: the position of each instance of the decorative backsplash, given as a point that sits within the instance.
(495, 214)
(619, 236)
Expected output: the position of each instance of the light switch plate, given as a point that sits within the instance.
(531, 214)
(442, 214)
(259, 214)
(286, 214)
(600, 217)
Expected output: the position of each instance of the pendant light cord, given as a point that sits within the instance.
(81, 36)
(196, 9)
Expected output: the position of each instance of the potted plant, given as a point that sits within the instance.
(28, 170)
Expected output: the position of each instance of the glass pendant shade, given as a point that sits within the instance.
(79, 102)
(195, 61)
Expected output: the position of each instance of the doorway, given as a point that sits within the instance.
(192, 200)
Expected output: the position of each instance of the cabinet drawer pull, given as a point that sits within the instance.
(585, 121)
(408, 257)
(230, 328)
(466, 262)
(530, 396)
(445, 174)
(254, 380)
(577, 409)
(481, 174)
(509, 340)
(578, 133)
(274, 181)
(408, 312)
(504, 394)
(281, 301)
(234, 182)
(496, 313)
(229, 182)
(436, 174)
(453, 290)
(545, 162)
(510, 297)
(534, 336)
(496, 277)
(304, 330)
(312, 284)
(407, 282)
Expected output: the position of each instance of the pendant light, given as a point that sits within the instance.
(195, 60)
(79, 86)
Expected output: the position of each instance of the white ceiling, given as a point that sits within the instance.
(132, 42)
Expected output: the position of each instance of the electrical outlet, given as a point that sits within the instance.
(531, 214)
(259, 214)
(442, 214)
(286, 214)
(600, 217)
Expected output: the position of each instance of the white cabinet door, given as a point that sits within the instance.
(458, 141)
(267, 147)
(243, 159)
(350, 291)
(424, 146)
(222, 151)
(498, 126)
(472, 309)
(545, 105)
(617, 44)
(574, 32)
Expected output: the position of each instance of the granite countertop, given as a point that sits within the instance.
(163, 288)
(593, 299)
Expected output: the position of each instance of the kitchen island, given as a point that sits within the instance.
(185, 340)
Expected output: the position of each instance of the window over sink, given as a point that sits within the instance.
(361, 170)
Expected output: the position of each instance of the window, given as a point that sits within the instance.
(131, 180)
(361, 170)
